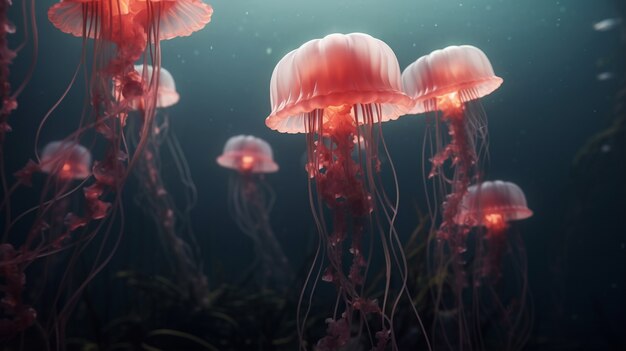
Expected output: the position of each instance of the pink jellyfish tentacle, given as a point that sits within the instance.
(131, 42)
(255, 193)
(342, 189)
(340, 184)
(496, 244)
(460, 151)
(164, 213)
(462, 155)
(6, 58)
(18, 316)
(8, 95)
(110, 172)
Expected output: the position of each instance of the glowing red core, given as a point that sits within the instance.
(449, 102)
(495, 221)
(247, 162)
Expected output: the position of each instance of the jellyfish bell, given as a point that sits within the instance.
(330, 86)
(493, 204)
(172, 18)
(248, 154)
(335, 73)
(449, 77)
(89, 18)
(166, 94)
(102, 18)
(134, 92)
(66, 160)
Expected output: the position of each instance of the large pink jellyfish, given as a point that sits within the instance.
(338, 90)
(492, 205)
(250, 200)
(451, 81)
(448, 80)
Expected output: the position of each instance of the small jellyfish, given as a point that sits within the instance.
(168, 200)
(496, 266)
(493, 205)
(337, 91)
(66, 160)
(248, 154)
(166, 95)
(250, 200)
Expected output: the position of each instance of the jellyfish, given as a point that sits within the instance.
(493, 205)
(451, 80)
(157, 198)
(250, 200)
(337, 91)
(66, 160)
(499, 301)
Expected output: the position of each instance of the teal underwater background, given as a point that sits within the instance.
(556, 128)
